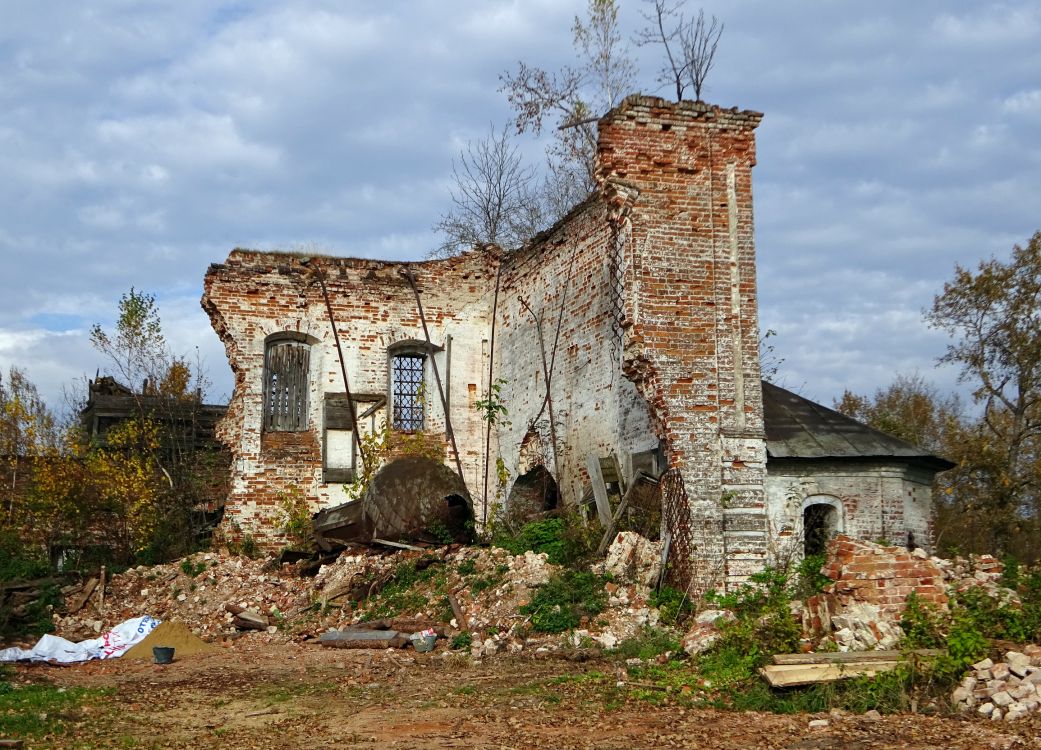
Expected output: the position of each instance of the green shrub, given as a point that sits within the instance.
(561, 603)
(648, 643)
(20, 561)
(566, 541)
(467, 567)
(809, 579)
(673, 605)
(462, 641)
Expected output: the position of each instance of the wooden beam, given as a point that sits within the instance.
(847, 657)
(790, 675)
(596, 477)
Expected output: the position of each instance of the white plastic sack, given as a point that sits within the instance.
(108, 645)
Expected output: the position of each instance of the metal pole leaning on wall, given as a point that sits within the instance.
(407, 273)
(488, 395)
(320, 276)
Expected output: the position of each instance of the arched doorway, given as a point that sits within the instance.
(534, 493)
(821, 520)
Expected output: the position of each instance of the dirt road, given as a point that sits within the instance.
(303, 696)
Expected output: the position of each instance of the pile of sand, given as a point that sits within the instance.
(170, 633)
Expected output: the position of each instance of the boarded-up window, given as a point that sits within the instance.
(407, 391)
(340, 450)
(286, 382)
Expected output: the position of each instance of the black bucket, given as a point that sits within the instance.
(163, 654)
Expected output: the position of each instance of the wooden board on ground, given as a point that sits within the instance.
(80, 600)
(790, 675)
(847, 657)
(357, 638)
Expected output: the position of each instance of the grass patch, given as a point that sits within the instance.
(647, 644)
(35, 710)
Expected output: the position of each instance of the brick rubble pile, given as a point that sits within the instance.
(861, 609)
(1005, 690)
(208, 591)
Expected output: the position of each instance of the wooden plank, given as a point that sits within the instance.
(603, 505)
(846, 657)
(79, 601)
(460, 616)
(790, 675)
(397, 545)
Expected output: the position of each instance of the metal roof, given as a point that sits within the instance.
(801, 429)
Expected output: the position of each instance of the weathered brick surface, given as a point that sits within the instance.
(884, 576)
(691, 320)
(889, 500)
(253, 295)
(652, 284)
(645, 296)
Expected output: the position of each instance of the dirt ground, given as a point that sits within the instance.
(303, 696)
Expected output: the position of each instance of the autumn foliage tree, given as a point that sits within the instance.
(992, 501)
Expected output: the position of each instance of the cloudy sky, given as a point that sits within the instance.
(141, 141)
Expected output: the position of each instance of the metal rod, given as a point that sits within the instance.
(488, 396)
(407, 273)
(320, 275)
(548, 376)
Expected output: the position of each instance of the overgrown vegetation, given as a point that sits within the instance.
(564, 600)
(566, 540)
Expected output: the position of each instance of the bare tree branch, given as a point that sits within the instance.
(690, 45)
(494, 199)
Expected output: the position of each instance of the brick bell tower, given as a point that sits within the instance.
(691, 331)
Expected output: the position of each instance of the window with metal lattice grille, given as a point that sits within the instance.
(407, 391)
(286, 373)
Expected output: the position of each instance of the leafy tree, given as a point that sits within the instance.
(137, 348)
(149, 472)
(993, 315)
(911, 409)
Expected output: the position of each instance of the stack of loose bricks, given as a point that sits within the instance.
(1008, 689)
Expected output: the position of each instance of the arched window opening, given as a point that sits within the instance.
(533, 493)
(407, 391)
(820, 522)
(286, 384)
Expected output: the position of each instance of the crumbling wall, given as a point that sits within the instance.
(567, 278)
(879, 500)
(683, 174)
(253, 295)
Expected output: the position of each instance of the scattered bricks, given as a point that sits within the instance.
(1000, 671)
(985, 709)
(1023, 692)
(981, 665)
(1016, 711)
(983, 675)
(1019, 670)
(1034, 652)
(1017, 657)
(997, 715)
(961, 695)
(1034, 678)
(969, 683)
(1001, 699)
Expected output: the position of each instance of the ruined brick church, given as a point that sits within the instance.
(615, 352)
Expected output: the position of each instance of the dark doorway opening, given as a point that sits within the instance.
(820, 522)
(533, 494)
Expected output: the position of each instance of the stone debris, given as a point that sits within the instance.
(219, 596)
(996, 691)
(632, 558)
(705, 631)
(861, 609)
